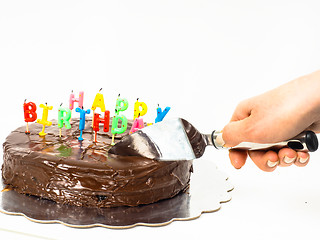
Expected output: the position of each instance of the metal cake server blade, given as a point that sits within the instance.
(162, 141)
(177, 139)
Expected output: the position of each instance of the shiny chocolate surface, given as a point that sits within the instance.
(83, 173)
(209, 187)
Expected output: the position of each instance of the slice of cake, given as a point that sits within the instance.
(83, 173)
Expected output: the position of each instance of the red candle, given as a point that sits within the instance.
(97, 120)
(30, 114)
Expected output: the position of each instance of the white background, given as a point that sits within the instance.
(198, 57)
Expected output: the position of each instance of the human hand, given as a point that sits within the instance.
(275, 116)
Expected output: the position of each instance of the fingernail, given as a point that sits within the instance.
(288, 160)
(303, 160)
(272, 164)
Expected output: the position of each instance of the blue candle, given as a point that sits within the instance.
(161, 114)
(82, 120)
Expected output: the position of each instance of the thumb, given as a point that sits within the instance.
(235, 132)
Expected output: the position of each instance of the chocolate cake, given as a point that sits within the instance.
(83, 173)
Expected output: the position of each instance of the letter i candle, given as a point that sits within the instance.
(44, 120)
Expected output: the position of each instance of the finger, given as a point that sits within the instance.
(238, 158)
(236, 132)
(287, 157)
(233, 133)
(302, 159)
(266, 161)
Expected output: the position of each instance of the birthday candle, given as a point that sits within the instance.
(115, 129)
(82, 119)
(44, 121)
(64, 115)
(98, 102)
(161, 114)
(97, 120)
(137, 111)
(30, 114)
(121, 105)
(137, 124)
(79, 100)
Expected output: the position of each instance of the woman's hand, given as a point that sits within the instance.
(275, 116)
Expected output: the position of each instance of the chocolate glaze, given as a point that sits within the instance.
(68, 171)
(196, 139)
(137, 144)
(45, 210)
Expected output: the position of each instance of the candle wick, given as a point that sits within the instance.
(158, 105)
(138, 115)
(46, 103)
(25, 100)
(119, 95)
(137, 99)
(72, 91)
(100, 89)
(60, 104)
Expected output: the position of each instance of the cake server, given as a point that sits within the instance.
(177, 139)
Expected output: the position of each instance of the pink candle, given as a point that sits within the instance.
(137, 124)
(79, 100)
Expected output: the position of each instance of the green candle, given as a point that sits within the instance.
(64, 116)
(119, 119)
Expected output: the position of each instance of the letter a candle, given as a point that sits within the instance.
(137, 124)
(30, 114)
(98, 102)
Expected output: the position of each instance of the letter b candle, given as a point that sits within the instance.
(30, 114)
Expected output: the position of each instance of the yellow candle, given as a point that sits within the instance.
(44, 121)
(139, 112)
(98, 102)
